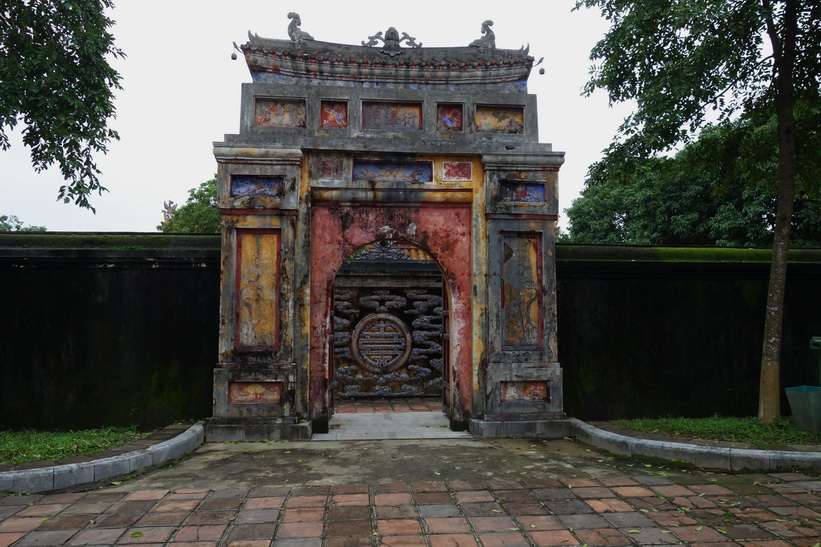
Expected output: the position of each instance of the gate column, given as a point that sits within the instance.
(522, 384)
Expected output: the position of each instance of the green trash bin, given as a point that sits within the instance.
(805, 401)
(805, 404)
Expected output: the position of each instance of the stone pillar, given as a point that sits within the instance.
(257, 390)
(522, 382)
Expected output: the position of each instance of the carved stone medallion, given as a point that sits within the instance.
(381, 343)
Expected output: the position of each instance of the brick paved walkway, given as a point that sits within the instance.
(755, 510)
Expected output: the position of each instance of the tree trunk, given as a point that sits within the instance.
(769, 402)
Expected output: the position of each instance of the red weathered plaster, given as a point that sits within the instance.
(444, 232)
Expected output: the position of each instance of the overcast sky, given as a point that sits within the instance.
(181, 92)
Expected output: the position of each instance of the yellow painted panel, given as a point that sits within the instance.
(257, 289)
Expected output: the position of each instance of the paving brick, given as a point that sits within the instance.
(511, 539)
(200, 518)
(439, 510)
(299, 530)
(350, 499)
(526, 508)
(590, 520)
(608, 505)
(100, 536)
(349, 528)
(482, 509)
(550, 538)
(432, 497)
(602, 536)
(353, 512)
(392, 527)
(453, 540)
(151, 534)
(395, 512)
(351, 489)
(46, 538)
(304, 514)
(392, 499)
(212, 532)
(257, 516)
(447, 525)
(306, 501)
(263, 503)
(244, 532)
(492, 524)
(474, 496)
(698, 534)
(541, 522)
(364, 541)
(162, 519)
(632, 491)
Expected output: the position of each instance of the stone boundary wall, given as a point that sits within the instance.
(106, 329)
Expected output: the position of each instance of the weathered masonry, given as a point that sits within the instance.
(345, 148)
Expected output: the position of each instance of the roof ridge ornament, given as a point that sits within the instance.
(488, 40)
(297, 35)
(392, 42)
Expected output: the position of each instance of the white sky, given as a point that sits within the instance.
(182, 92)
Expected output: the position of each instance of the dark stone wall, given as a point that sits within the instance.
(647, 332)
(106, 329)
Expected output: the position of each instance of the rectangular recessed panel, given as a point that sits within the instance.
(333, 114)
(457, 170)
(254, 393)
(500, 119)
(449, 117)
(391, 116)
(256, 293)
(253, 185)
(521, 291)
(533, 390)
(420, 171)
(522, 192)
(280, 113)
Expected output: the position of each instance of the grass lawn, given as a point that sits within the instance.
(723, 428)
(31, 446)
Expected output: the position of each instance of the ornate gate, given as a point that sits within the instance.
(341, 146)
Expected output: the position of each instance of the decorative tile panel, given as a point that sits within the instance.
(256, 306)
(333, 114)
(280, 113)
(521, 291)
(524, 192)
(457, 170)
(449, 117)
(254, 393)
(254, 185)
(391, 116)
(534, 390)
(421, 171)
(500, 119)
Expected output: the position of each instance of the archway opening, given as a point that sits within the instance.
(389, 340)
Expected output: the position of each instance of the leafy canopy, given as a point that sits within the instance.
(718, 190)
(55, 80)
(10, 223)
(199, 215)
(688, 61)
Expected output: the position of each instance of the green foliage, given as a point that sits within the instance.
(729, 429)
(14, 224)
(56, 81)
(718, 190)
(28, 446)
(199, 215)
(686, 61)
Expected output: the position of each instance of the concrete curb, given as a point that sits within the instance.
(709, 457)
(55, 477)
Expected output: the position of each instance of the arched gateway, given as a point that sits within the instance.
(341, 146)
